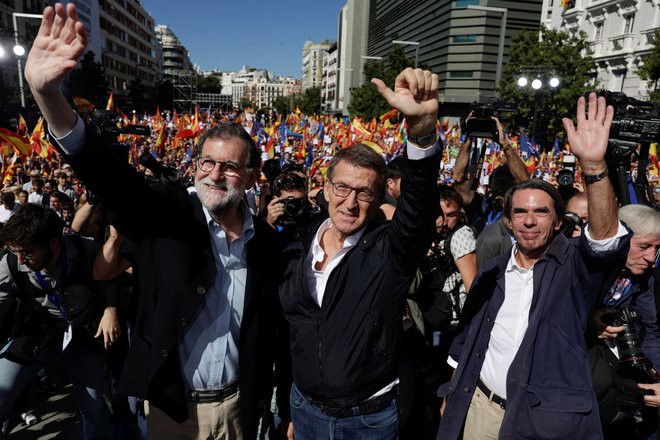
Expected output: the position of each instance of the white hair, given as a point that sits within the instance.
(643, 220)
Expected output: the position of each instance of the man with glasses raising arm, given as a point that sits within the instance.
(346, 280)
(203, 344)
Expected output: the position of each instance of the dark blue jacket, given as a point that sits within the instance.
(549, 390)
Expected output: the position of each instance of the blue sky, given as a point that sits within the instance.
(268, 34)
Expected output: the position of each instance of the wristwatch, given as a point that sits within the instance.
(427, 139)
(593, 178)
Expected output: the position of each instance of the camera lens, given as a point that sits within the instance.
(565, 177)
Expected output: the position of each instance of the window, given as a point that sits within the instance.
(630, 22)
(464, 39)
(599, 31)
(461, 74)
(464, 3)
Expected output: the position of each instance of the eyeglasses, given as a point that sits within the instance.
(343, 191)
(25, 254)
(228, 168)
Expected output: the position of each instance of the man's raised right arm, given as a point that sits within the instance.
(61, 40)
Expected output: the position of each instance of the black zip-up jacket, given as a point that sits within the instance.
(348, 349)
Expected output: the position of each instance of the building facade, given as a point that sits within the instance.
(312, 63)
(458, 40)
(619, 32)
(175, 56)
(128, 46)
(329, 81)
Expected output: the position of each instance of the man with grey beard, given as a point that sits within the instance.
(205, 337)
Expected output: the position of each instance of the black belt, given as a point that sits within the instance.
(368, 407)
(205, 396)
(491, 395)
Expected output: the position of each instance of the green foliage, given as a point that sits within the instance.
(246, 103)
(165, 94)
(366, 102)
(650, 68)
(309, 101)
(556, 49)
(208, 84)
(88, 81)
(282, 105)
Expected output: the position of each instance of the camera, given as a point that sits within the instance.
(480, 124)
(633, 363)
(565, 176)
(570, 221)
(634, 120)
(440, 256)
(106, 122)
(296, 210)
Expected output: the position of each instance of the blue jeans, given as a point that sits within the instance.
(309, 423)
(86, 369)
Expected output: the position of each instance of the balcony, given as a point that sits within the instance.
(621, 43)
(646, 40)
(596, 48)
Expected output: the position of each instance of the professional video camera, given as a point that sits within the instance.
(635, 123)
(566, 175)
(296, 211)
(633, 363)
(480, 124)
(106, 121)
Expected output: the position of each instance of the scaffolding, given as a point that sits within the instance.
(185, 90)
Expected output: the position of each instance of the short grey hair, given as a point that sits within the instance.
(643, 220)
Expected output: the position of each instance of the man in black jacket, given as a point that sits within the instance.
(203, 344)
(344, 287)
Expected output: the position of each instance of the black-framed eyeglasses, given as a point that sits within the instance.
(23, 253)
(343, 191)
(230, 169)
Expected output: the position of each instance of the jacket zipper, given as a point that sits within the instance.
(318, 336)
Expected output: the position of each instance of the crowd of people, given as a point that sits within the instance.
(302, 277)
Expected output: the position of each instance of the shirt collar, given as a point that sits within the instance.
(349, 242)
(248, 222)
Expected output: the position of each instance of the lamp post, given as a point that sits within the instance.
(500, 49)
(19, 50)
(537, 77)
(410, 43)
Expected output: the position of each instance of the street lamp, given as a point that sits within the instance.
(543, 75)
(19, 50)
(500, 49)
(410, 43)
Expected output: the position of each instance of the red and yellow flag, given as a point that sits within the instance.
(110, 106)
(82, 105)
(22, 125)
(18, 142)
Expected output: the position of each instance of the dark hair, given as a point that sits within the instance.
(362, 156)
(501, 180)
(450, 194)
(8, 197)
(287, 181)
(394, 168)
(227, 130)
(62, 175)
(33, 225)
(539, 184)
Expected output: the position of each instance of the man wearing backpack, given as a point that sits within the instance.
(49, 310)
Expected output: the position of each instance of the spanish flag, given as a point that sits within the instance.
(22, 125)
(394, 113)
(18, 142)
(110, 106)
(82, 105)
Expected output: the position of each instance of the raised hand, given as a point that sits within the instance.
(589, 141)
(415, 95)
(61, 40)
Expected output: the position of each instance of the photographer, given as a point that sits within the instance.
(289, 208)
(628, 340)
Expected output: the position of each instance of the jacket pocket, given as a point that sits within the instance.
(551, 412)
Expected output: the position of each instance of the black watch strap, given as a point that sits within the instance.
(427, 139)
(593, 178)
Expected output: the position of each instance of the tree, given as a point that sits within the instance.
(366, 102)
(246, 103)
(556, 49)
(208, 84)
(136, 93)
(282, 105)
(165, 94)
(649, 70)
(310, 101)
(88, 81)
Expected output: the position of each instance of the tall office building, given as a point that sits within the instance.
(174, 54)
(351, 47)
(620, 33)
(458, 40)
(128, 46)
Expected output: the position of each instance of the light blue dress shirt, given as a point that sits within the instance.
(209, 350)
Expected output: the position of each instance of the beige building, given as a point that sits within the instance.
(128, 45)
(312, 63)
